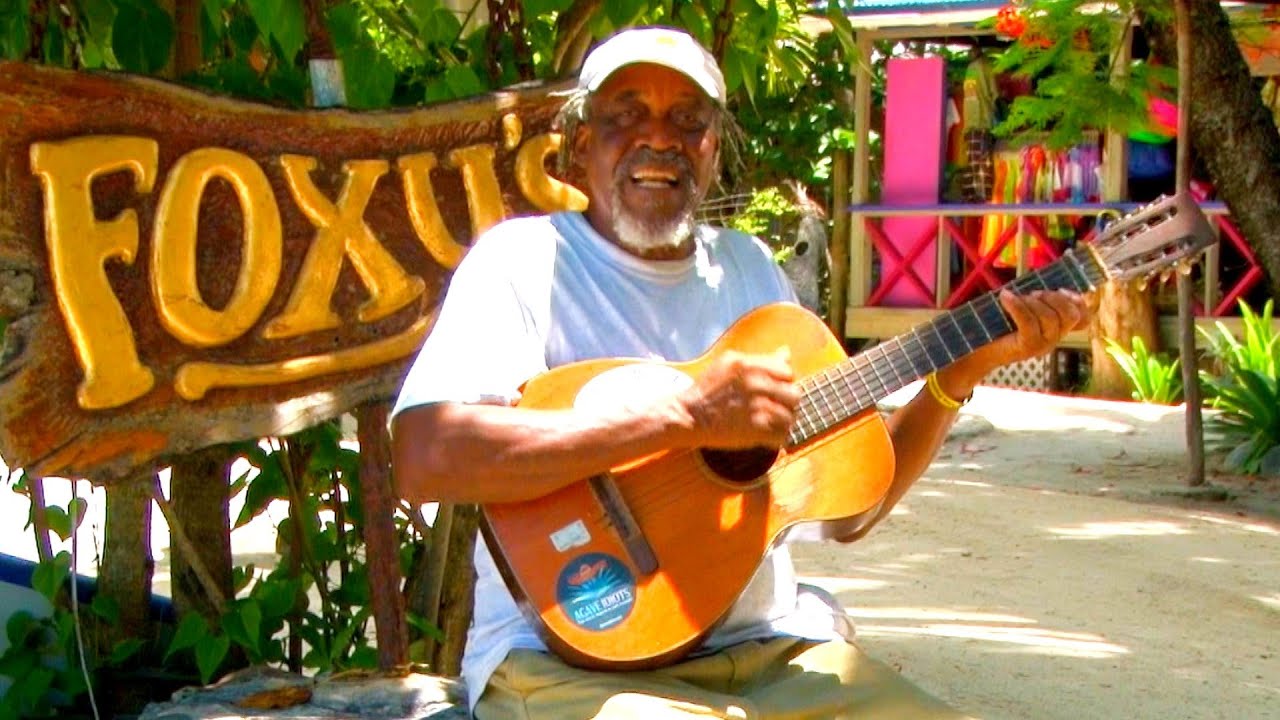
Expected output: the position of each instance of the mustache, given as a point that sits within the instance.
(649, 156)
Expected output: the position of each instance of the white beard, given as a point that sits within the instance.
(643, 238)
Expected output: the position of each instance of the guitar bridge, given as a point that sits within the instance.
(624, 523)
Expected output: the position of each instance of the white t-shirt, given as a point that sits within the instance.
(535, 293)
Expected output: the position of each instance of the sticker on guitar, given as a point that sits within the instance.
(596, 591)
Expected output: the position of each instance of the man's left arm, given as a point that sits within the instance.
(919, 428)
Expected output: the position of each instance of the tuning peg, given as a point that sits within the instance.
(1184, 268)
(1142, 285)
(1165, 275)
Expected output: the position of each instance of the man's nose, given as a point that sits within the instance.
(659, 134)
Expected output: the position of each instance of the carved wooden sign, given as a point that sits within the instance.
(179, 270)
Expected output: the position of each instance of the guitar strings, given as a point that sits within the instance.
(834, 385)
(851, 378)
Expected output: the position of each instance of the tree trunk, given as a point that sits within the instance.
(1231, 131)
(1124, 311)
(199, 496)
(127, 564)
(380, 535)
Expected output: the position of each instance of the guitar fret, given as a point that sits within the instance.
(927, 359)
(844, 407)
(973, 310)
(1080, 279)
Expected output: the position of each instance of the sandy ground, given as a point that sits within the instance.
(1052, 564)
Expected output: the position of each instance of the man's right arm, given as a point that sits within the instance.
(474, 453)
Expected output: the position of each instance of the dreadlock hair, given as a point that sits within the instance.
(575, 112)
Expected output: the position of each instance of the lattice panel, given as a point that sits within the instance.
(1032, 374)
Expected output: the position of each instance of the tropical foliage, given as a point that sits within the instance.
(1245, 388)
(1073, 54)
(1154, 377)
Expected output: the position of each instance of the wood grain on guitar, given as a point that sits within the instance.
(633, 568)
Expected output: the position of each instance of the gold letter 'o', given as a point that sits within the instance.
(182, 310)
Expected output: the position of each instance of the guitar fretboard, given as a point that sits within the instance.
(846, 389)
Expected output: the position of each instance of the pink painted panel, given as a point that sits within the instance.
(915, 114)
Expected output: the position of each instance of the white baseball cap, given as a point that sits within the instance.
(668, 47)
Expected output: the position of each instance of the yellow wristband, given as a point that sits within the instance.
(941, 396)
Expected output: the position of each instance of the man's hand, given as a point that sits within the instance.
(1040, 320)
(742, 401)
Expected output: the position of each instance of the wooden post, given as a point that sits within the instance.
(838, 281)
(1186, 323)
(380, 535)
(859, 286)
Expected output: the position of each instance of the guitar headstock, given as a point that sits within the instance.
(1160, 236)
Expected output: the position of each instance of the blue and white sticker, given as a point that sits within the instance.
(596, 591)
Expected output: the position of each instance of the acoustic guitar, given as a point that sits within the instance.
(632, 568)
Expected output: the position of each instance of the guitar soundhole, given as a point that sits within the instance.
(740, 466)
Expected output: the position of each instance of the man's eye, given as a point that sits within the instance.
(624, 116)
(690, 120)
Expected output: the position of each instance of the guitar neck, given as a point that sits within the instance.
(848, 388)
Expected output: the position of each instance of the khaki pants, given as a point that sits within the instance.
(768, 680)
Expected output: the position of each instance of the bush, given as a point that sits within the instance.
(1154, 377)
(1245, 387)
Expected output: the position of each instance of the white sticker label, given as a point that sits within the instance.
(570, 536)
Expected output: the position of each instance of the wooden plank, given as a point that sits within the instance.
(180, 270)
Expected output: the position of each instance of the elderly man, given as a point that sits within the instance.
(635, 276)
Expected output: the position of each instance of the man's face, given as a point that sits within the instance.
(648, 153)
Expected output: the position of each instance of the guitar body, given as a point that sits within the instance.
(708, 519)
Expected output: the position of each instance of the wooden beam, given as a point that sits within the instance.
(859, 286)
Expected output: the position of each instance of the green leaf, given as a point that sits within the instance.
(283, 20)
(694, 19)
(14, 31)
(417, 622)
(242, 623)
(50, 576)
(106, 608)
(124, 650)
(343, 639)
(371, 80)
(267, 486)
(623, 12)
(59, 519)
(99, 16)
(741, 71)
(463, 81)
(55, 46)
(210, 652)
(191, 631)
(540, 8)
(141, 36)
(343, 22)
(277, 596)
(20, 626)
